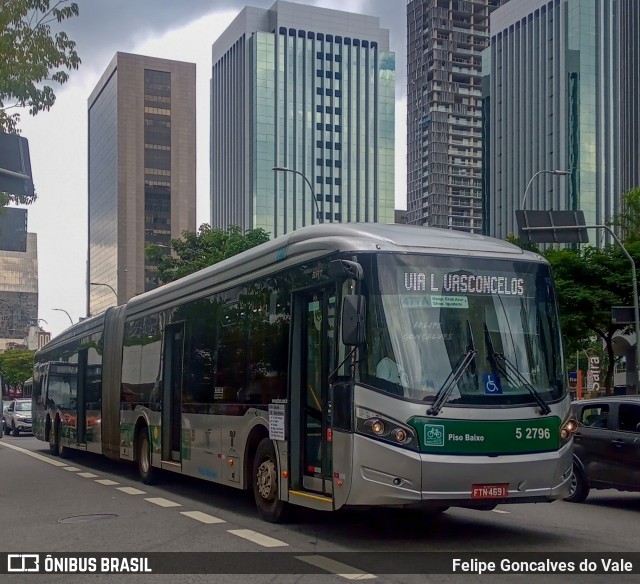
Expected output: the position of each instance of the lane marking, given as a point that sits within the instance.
(202, 517)
(163, 502)
(500, 511)
(87, 475)
(336, 568)
(71, 468)
(259, 538)
(107, 482)
(131, 491)
(34, 454)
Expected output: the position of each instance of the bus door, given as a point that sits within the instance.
(172, 392)
(313, 352)
(81, 398)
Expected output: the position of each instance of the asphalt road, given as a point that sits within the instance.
(90, 504)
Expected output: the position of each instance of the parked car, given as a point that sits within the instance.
(606, 445)
(17, 417)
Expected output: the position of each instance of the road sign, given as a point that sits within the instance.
(15, 165)
(552, 227)
(622, 315)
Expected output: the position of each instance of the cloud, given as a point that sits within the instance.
(58, 138)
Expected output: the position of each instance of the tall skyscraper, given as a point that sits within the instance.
(310, 90)
(18, 278)
(445, 40)
(561, 94)
(142, 172)
(630, 94)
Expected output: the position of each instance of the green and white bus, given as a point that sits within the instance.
(341, 365)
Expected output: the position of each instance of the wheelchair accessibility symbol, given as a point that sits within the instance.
(491, 384)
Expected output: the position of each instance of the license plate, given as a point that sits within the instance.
(495, 491)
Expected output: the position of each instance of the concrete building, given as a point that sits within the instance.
(142, 172)
(561, 93)
(445, 40)
(307, 89)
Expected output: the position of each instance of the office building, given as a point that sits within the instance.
(18, 278)
(561, 93)
(142, 172)
(310, 90)
(445, 40)
(629, 94)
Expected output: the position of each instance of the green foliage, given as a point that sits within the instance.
(30, 53)
(32, 58)
(628, 220)
(511, 238)
(206, 247)
(589, 281)
(16, 366)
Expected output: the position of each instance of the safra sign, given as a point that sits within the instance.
(593, 374)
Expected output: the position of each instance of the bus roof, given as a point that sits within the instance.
(309, 243)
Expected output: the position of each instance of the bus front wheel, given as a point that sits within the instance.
(265, 484)
(146, 470)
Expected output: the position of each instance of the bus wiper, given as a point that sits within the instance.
(501, 363)
(450, 382)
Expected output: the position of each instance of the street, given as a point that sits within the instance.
(90, 504)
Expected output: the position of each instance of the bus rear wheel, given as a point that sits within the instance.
(148, 473)
(54, 442)
(265, 484)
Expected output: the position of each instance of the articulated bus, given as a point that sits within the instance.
(341, 365)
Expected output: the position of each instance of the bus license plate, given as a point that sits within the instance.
(495, 491)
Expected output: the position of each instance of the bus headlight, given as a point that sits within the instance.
(374, 425)
(568, 429)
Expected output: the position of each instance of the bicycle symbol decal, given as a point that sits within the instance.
(434, 432)
(434, 435)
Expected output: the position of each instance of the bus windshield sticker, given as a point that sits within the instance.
(433, 301)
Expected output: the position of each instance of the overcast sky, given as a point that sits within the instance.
(182, 30)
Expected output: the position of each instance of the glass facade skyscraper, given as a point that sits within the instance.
(310, 90)
(142, 165)
(553, 88)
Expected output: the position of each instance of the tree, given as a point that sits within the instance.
(628, 220)
(203, 248)
(16, 366)
(32, 57)
(589, 281)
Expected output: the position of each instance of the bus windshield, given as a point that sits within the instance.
(483, 331)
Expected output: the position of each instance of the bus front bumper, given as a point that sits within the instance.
(387, 475)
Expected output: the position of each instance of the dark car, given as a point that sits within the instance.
(5, 404)
(606, 445)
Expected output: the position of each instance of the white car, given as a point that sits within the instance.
(17, 416)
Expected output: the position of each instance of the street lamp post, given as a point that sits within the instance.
(107, 285)
(63, 310)
(313, 194)
(535, 174)
(549, 236)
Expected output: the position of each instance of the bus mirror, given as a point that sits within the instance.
(353, 315)
(346, 269)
